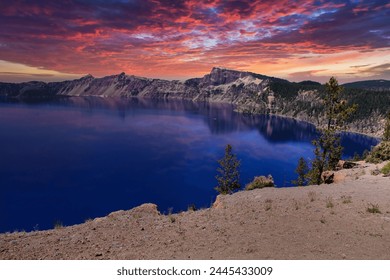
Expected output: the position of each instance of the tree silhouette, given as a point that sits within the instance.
(328, 149)
(301, 170)
(228, 173)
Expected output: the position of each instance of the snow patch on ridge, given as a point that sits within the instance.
(246, 81)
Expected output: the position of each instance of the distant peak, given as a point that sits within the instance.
(122, 74)
(220, 68)
(89, 76)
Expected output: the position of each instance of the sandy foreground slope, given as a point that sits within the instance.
(315, 222)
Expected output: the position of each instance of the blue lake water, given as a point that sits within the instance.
(73, 159)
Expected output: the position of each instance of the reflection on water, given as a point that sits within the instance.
(220, 118)
(70, 159)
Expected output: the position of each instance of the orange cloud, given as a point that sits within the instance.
(181, 39)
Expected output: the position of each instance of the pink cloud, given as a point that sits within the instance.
(182, 38)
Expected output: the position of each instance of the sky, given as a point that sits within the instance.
(296, 40)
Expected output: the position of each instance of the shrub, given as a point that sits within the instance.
(192, 207)
(172, 219)
(386, 169)
(379, 153)
(260, 182)
(58, 224)
(329, 202)
(373, 208)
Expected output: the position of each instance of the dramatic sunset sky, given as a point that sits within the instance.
(296, 40)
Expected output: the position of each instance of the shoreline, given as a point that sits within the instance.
(189, 100)
(373, 135)
(313, 222)
(235, 106)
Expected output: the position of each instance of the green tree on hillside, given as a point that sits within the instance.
(229, 175)
(301, 170)
(386, 134)
(328, 149)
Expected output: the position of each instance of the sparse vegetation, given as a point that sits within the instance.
(379, 153)
(18, 231)
(323, 220)
(365, 154)
(268, 204)
(375, 172)
(229, 175)
(386, 169)
(357, 157)
(171, 218)
(58, 224)
(386, 134)
(346, 199)
(296, 205)
(312, 196)
(329, 202)
(373, 208)
(301, 170)
(136, 216)
(192, 207)
(260, 182)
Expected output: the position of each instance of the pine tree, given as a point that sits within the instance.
(386, 134)
(301, 170)
(328, 149)
(229, 175)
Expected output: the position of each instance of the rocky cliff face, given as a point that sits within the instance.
(221, 84)
(250, 92)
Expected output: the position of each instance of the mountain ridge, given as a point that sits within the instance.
(378, 85)
(206, 80)
(250, 92)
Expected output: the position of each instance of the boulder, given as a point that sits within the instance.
(327, 177)
(344, 164)
(375, 172)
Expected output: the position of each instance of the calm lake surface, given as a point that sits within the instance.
(73, 159)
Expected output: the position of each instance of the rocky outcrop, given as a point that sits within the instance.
(219, 81)
(327, 177)
(250, 92)
(345, 164)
